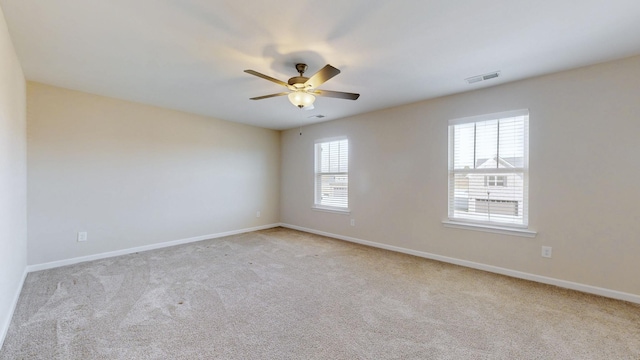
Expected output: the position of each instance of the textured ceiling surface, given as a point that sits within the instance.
(190, 55)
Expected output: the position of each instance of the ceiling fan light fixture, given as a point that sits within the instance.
(303, 90)
(301, 98)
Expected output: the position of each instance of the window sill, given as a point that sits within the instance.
(331, 210)
(490, 228)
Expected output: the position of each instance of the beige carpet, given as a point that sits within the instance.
(284, 294)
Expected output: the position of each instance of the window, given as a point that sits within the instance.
(495, 180)
(332, 175)
(488, 169)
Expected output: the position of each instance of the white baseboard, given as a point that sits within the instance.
(490, 268)
(5, 327)
(59, 263)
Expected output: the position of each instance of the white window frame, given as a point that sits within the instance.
(469, 222)
(318, 203)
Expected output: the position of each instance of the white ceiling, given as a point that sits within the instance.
(190, 54)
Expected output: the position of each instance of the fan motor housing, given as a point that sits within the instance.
(298, 80)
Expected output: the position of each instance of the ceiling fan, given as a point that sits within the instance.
(303, 90)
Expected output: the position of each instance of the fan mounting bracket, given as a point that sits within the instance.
(301, 68)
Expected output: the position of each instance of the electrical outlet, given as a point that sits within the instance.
(353, 222)
(257, 213)
(82, 236)
(546, 251)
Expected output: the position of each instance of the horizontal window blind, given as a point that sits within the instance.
(332, 174)
(488, 168)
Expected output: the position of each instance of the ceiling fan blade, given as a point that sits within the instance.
(269, 96)
(321, 76)
(266, 77)
(337, 94)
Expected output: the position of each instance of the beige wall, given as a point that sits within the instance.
(133, 175)
(584, 176)
(13, 177)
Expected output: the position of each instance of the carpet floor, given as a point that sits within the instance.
(285, 294)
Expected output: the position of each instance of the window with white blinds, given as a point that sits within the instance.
(488, 169)
(332, 174)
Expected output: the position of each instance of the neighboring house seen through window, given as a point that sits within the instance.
(332, 174)
(488, 169)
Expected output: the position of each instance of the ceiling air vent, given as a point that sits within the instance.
(478, 78)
